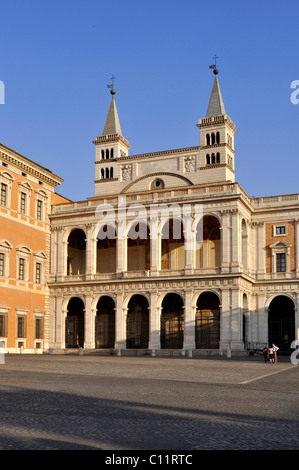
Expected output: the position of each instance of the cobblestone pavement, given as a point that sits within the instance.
(134, 403)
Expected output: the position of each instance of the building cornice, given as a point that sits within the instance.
(9, 155)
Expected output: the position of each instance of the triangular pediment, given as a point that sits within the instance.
(279, 244)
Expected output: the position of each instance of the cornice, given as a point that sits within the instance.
(30, 167)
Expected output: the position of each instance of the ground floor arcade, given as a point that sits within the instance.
(185, 319)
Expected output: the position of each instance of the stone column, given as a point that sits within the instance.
(121, 250)
(53, 254)
(154, 322)
(261, 250)
(57, 328)
(225, 320)
(189, 322)
(225, 242)
(90, 253)
(61, 250)
(236, 321)
(89, 323)
(236, 233)
(120, 323)
(262, 316)
(155, 247)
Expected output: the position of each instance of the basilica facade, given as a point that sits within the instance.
(171, 253)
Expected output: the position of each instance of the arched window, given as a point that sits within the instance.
(107, 172)
(213, 158)
(218, 138)
(102, 173)
(107, 154)
(103, 155)
(213, 138)
(111, 172)
(208, 159)
(112, 153)
(208, 140)
(218, 157)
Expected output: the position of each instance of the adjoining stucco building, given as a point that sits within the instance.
(26, 196)
(237, 289)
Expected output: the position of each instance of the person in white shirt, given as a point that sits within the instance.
(275, 349)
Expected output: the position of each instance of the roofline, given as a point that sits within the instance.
(44, 171)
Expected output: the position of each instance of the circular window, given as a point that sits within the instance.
(157, 184)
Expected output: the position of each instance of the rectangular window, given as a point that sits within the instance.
(39, 330)
(38, 273)
(3, 196)
(280, 262)
(281, 230)
(22, 269)
(39, 210)
(23, 203)
(2, 259)
(21, 325)
(3, 323)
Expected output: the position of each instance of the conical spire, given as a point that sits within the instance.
(216, 105)
(112, 125)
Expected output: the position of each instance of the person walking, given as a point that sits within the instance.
(275, 349)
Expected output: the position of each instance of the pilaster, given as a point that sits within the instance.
(189, 321)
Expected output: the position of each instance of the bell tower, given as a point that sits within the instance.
(109, 148)
(217, 130)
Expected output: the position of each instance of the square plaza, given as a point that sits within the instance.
(71, 402)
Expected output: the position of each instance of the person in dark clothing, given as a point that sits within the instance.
(266, 354)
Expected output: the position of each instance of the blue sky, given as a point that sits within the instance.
(56, 58)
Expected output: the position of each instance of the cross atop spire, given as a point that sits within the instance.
(216, 105)
(112, 124)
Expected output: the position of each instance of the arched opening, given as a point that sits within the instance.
(105, 323)
(111, 172)
(213, 138)
(138, 247)
(207, 321)
(281, 323)
(172, 322)
(102, 173)
(76, 252)
(173, 249)
(138, 322)
(107, 154)
(213, 158)
(218, 157)
(208, 256)
(106, 250)
(112, 153)
(217, 137)
(208, 159)
(208, 139)
(74, 324)
(103, 154)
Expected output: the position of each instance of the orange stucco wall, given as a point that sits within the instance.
(25, 297)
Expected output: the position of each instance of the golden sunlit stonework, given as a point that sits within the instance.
(220, 276)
